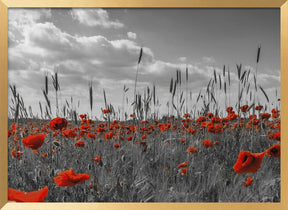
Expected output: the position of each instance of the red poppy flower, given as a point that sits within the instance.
(273, 151)
(83, 116)
(34, 141)
(191, 150)
(211, 128)
(182, 140)
(116, 145)
(109, 135)
(58, 123)
(69, 133)
(229, 109)
(207, 143)
(163, 128)
(183, 171)
(259, 107)
(91, 135)
(265, 116)
(248, 162)
(80, 144)
(191, 131)
(97, 158)
(244, 108)
(275, 115)
(277, 136)
(129, 138)
(248, 182)
(16, 153)
(184, 164)
(34, 196)
(70, 178)
(106, 111)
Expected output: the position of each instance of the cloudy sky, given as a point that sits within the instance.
(102, 46)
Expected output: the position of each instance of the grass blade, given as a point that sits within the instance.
(258, 53)
(140, 55)
(266, 96)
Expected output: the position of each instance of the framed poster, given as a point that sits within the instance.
(109, 105)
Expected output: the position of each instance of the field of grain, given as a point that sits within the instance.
(198, 152)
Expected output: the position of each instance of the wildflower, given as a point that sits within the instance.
(58, 123)
(69, 133)
(275, 115)
(191, 131)
(191, 150)
(93, 186)
(116, 145)
(70, 178)
(44, 154)
(16, 153)
(229, 109)
(244, 108)
(265, 116)
(34, 141)
(91, 135)
(210, 115)
(186, 115)
(259, 108)
(80, 144)
(248, 182)
(85, 128)
(183, 140)
(163, 128)
(97, 158)
(106, 111)
(129, 138)
(183, 171)
(248, 162)
(83, 116)
(184, 164)
(109, 135)
(276, 136)
(211, 128)
(273, 151)
(34, 196)
(201, 119)
(207, 143)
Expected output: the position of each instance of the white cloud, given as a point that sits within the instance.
(208, 59)
(95, 17)
(23, 17)
(131, 35)
(182, 59)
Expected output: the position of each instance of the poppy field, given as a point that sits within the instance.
(201, 152)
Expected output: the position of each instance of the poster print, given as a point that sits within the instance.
(144, 105)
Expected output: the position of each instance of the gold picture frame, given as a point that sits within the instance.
(5, 4)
